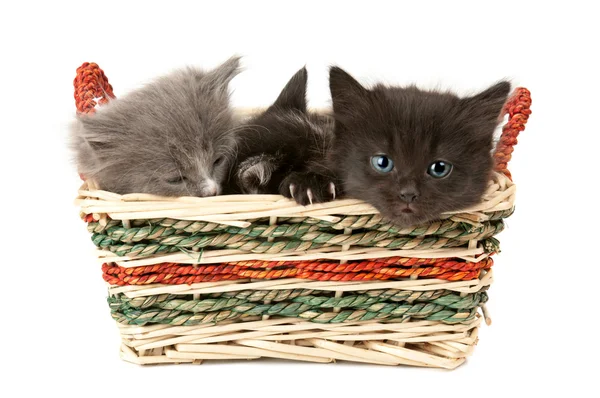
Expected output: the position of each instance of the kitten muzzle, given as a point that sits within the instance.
(209, 188)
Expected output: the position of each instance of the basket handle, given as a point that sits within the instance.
(91, 83)
(518, 112)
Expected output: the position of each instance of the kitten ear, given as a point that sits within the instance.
(293, 95)
(346, 92)
(222, 74)
(488, 104)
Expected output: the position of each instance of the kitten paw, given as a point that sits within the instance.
(308, 188)
(255, 173)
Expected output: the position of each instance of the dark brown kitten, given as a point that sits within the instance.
(410, 153)
(276, 147)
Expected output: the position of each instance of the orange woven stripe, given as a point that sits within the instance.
(91, 83)
(518, 113)
(358, 266)
(174, 274)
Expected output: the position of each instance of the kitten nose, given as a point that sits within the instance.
(409, 195)
(210, 188)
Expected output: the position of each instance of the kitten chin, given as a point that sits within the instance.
(173, 137)
(413, 154)
(277, 148)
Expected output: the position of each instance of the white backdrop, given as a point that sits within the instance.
(57, 334)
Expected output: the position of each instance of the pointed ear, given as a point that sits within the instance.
(347, 94)
(293, 95)
(487, 106)
(221, 76)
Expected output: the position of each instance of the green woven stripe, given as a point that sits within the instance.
(257, 246)
(170, 309)
(426, 311)
(224, 301)
(173, 302)
(302, 238)
(394, 295)
(306, 231)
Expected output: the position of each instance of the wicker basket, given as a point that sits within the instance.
(251, 276)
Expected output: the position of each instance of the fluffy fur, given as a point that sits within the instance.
(413, 128)
(173, 137)
(277, 147)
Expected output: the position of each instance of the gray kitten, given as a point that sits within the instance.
(173, 137)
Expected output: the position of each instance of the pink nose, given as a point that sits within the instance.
(210, 188)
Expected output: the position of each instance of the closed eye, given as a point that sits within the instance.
(218, 161)
(177, 180)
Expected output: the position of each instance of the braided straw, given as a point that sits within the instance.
(390, 268)
(240, 242)
(175, 317)
(315, 301)
(91, 83)
(251, 276)
(168, 232)
(518, 111)
(223, 300)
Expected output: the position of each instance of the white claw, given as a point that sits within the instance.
(292, 188)
(332, 189)
(310, 195)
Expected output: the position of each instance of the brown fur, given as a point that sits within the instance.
(413, 129)
(277, 147)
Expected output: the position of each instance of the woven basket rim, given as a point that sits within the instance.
(224, 209)
(241, 210)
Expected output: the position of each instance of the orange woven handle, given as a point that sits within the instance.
(518, 112)
(91, 83)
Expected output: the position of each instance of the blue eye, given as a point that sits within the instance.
(439, 169)
(382, 163)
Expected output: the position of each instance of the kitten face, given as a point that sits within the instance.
(171, 137)
(413, 154)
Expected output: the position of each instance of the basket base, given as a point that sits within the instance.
(413, 343)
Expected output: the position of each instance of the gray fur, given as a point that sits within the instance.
(173, 137)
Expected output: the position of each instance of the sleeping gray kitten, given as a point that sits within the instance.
(172, 137)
